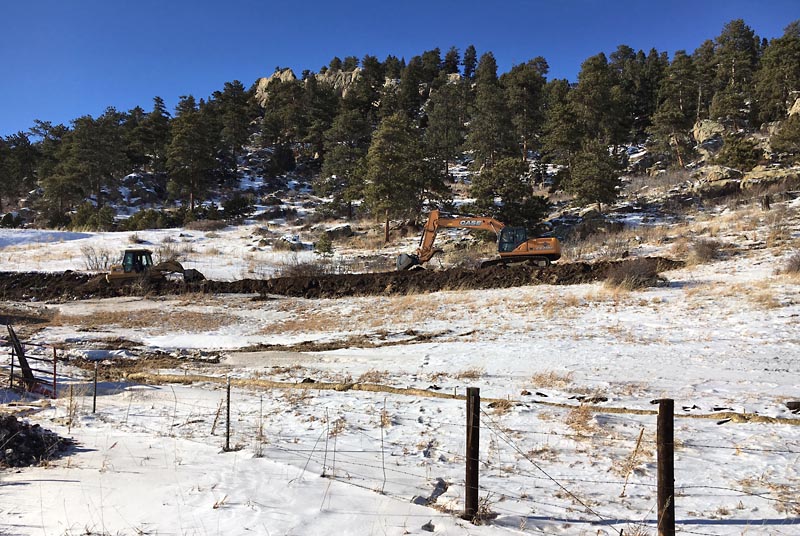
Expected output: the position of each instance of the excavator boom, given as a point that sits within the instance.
(513, 244)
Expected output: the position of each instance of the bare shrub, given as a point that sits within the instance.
(704, 250)
(206, 225)
(295, 267)
(631, 275)
(96, 259)
(792, 265)
(134, 238)
(170, 251)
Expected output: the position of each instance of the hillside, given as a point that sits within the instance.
(567, 372)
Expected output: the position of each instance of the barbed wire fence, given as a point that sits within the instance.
(530, 479)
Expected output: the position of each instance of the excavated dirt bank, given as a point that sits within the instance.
(34, 286)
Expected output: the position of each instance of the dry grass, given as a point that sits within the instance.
(544, 453)
(306, 321)
(551, 379)
(473, 373)
(373, 376)
(156, 320)
(338, 426)
(559, 306)
(581, 419)
(501, 407)
(637, 530)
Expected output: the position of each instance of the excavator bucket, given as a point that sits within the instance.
(406, 261)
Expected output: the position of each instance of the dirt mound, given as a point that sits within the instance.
(414, 281)
(75, 286)
(24, 444)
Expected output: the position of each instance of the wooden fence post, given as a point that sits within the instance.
(228, 418)
(94, 396)
(473, 452)
(55, 384)
(666, 468)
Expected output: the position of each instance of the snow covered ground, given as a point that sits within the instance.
(721, 339)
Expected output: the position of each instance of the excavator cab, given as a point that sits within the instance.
(510, 237)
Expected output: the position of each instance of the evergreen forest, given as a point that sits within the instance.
(381, 144)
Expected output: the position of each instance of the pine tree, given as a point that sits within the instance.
(787, 140)
(561, 138)
(524, 86)
(320, 103)
(190, 160)
(393, 67)
(675, 113)
(599, 107)
(61, 180)
(704, 63)
(469, 62)
(346, 145)
(234, 120)
(451, 61)
(7, 182)
(153, 134)
(399, 179)
(350, 64)
(445, 133)
(490, 133)
(97, 152)
(510, 183)
(778, 74)
(594, 177)
(737, 57)
(409, 97)
(285, 119)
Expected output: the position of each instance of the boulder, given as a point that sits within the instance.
(284, 75)
(795, 108)
(767, 175)
(708, 135)
(339, 231)
(715, 173)
(341, 81)
(706, 129)
(715, 181)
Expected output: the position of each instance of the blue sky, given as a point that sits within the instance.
(65, 58)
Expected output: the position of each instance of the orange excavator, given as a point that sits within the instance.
(513, 244)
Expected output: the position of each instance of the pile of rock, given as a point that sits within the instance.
(23, 444)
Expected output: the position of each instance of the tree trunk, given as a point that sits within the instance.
(386, 229)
